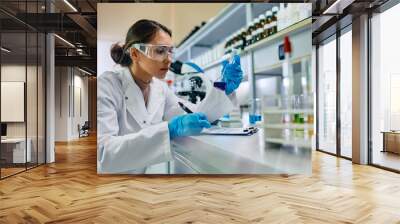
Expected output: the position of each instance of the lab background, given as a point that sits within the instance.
(277, 88)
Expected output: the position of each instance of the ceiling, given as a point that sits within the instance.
(76, 22)
(73, 20)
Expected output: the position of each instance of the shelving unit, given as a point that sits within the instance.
(288, 126)
(286, 111)
(231, 19)
(258, 61)
(225, 23)
(277, 68)
(281, 131)
(291, 30)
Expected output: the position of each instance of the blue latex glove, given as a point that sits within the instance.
(188, 124)
(232, 74)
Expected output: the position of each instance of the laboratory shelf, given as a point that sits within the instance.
(265, 53)
(288, 126)
(276, 69)
(259, 61)
(290, 111)
(298, 27)
(292, 142)
(225, 23)
(232, 18)
(293, 29)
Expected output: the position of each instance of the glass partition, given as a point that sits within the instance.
(346, 93)
(327, 96)
(14, 153)
(22, 78)
(385, 89)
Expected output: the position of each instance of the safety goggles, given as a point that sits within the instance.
(155, 52)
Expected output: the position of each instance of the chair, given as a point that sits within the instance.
(84, 130)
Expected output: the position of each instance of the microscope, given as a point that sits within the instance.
(189, 82)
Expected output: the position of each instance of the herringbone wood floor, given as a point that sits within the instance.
(70, 191)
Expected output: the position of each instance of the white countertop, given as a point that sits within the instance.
(217, 154)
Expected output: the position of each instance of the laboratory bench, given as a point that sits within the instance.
(219, 154)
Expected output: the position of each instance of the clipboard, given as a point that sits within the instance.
(230, 131)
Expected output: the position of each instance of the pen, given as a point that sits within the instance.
(187, 110)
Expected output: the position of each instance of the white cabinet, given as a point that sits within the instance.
(13, 150)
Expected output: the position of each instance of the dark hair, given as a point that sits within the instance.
(142, 31)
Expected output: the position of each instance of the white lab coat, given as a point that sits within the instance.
(132, 136)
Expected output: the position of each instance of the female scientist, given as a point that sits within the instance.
(138, 114)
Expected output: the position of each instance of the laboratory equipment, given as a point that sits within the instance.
(274, 20)
(255, 111)
(191, 84)
(267, 24)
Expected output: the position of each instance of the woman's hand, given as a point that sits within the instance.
(188, 124)
(232, 74)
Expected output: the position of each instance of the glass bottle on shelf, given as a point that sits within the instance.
(247, 32)
(248, 35)
(238, 40)
(274, 19)
(233, 41)
(254, 32)
(242, 39)
(267, 25)
(260, 29)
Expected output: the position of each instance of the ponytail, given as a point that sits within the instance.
(120, 56)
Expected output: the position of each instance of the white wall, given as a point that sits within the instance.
(68, 82)
(61, 103)
(12, 73)
(34, 125)
(114, 20)
(182, 23)
(104, 61)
